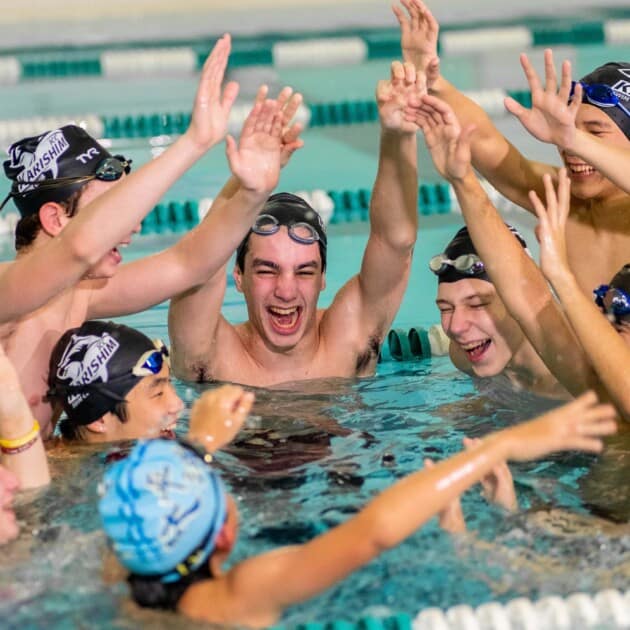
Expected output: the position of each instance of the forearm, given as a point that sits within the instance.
(605, 348)
(22, 449)
(116, 213)
(610, 160)
(207, 248)
(400, 510)
(394, 203)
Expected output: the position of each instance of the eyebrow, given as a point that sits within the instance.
(310, 263)
(261, 262)
(601, 124)
(468, 298)
(159, 382)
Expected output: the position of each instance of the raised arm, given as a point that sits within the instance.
(373, 297)
(492, 155)
(32, 280)
(604, 346)
(516, 277)
(194, 316)
(552, 119)
(270, 582)
(255, 162)
(21, 446)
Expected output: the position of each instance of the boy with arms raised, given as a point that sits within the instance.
(107, 291)
(280, 269)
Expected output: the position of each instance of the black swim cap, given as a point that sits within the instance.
(66, 152)
(289, 209)
(622, 279)
(615, 75)
(90, 369)
(460, 245)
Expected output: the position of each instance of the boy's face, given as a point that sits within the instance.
(107, 266)
(153, 408)
(476, 320)
(281, 283)
(586, 182)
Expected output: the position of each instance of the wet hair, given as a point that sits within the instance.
(73, 432)
(29, 226)
(150, 592)
(621, 279)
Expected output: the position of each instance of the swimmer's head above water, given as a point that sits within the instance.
(608, 88)
(303, 223)
(473, 315)
(614, 299)
(56, 164)
(113, 383)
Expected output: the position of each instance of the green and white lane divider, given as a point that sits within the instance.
(324, 49)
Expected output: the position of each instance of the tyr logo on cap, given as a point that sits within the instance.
(40, 163)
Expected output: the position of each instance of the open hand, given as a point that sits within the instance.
(497, 485)
(419, 38)
(395, 96)
(551, 118)
(209, 121)
(552, 221)
(255, 161)
(578, 425)
(218, 415)
(448, 144)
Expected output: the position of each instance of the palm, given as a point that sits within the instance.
(449, 158)
(392, 99)
(257, 162)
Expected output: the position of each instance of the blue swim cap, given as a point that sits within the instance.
(162, 509)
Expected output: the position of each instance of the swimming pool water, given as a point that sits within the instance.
(325, 447)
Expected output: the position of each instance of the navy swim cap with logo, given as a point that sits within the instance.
(92, 368)
(66, 152)
(461, 245)
(616, 76)
(289, 209)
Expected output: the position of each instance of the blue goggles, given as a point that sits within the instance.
(600, 95)
(614, 302)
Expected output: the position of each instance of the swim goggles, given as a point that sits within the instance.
(618, 307)
(151, 362)
(300, 232)
(109, 169)
(600, 95)
(468, 264)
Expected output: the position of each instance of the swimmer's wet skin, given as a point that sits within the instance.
(177, 562)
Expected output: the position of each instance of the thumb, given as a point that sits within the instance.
(514, 107)
(231, 150)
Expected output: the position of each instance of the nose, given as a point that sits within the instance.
(175, 403)
(457, 322)
(285, 288)
(137, 229)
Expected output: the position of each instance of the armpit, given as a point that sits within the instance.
(370, 354)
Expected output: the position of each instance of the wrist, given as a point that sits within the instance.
(11, 444)
(464, 180)
(194, 146)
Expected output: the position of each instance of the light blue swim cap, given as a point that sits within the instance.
(162, 508)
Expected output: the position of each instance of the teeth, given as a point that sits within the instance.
(472, 346)
(581, 169)
(283, 311)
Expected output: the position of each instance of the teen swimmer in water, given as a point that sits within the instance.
(173, 526)
(598, 229)
(108, 290)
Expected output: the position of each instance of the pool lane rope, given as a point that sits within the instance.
(607, 610)
(301, 50)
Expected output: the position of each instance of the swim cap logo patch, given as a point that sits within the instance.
(40, 164)
(85, 361)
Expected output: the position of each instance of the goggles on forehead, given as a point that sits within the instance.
(468, 264)
(109, 169)
(151, 362)
(300, 232)
(618, 308)
(600, 95)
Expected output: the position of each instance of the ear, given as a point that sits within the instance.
(237, 274)
(98, 426)
(226, 538)
(323, 285)
(53, 218)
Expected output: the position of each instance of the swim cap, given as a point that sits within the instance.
(461, 245)
(621, 279)
(162, 509)
(615, 75)
(66, 152)
(289, 209)
(92, 368)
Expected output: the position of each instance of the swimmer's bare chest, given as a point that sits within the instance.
(596, 255)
